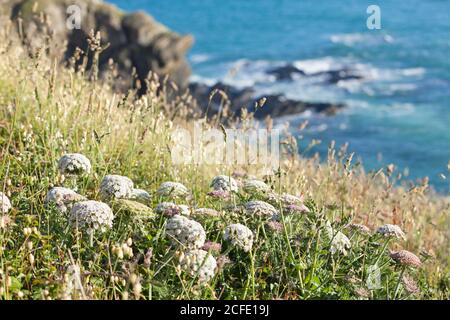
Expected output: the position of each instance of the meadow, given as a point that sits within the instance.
(130, 224)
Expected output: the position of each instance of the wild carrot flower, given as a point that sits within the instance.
(74, 164)
(222, 261)
(391, 230)
(284, 199)
(260, 208)
(171, 189)
(185, 232)
(206, 212)
(219, 194)
(362, 292)
(5, 221)
(224, 183)
(91, 216)
(256, 188)
(212, 246)
(136, 209)
(406, 258)
(198, 263)
(360, 228)
(239, 235)
(116, 187)
(141, 196)
(5, 204)
(63, 198)
(296, 209)
(410, 284)
(275, 226)
(170, 209)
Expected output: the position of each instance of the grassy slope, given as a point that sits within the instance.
(46, 112)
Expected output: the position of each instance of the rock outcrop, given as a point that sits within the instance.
(274, 105)
(135, 40)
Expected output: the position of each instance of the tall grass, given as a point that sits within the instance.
(47, 111)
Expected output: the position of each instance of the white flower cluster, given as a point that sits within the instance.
(206, 212)
(171, 189)
(116, 187)
(256, 188)
(288, 199)
(171, 209)
(239, 235)
(391, 230)
(63, 198)
(141, 196)
(185, 232)
(261, 209)
(5, 204)
(198, 263)
(73, 164)
(91, 216)
(224, 183)
(339, 242)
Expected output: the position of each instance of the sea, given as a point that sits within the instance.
(399, 113)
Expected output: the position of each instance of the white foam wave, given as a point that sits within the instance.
(350, 39)
(199, 58)
(312, 66)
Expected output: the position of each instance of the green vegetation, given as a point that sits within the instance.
(47, 111)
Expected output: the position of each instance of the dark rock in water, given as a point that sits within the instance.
(136, 40)
(279, 105)
(286, 72)
(238, 98)
(274, 106)
(334, 76)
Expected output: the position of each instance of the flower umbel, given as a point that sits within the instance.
(74, 164)
(240, 236)
(91, 216)
(185, 232)
(116, 187)
(391, 230)
(406, 258)
(198, 263)
(224, 183)
(63, 198)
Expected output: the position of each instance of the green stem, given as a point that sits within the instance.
(398, 282)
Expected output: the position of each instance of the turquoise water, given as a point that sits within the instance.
(399, 114)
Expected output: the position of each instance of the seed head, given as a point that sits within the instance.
(406, 258)
(410, 284)
(224, 183)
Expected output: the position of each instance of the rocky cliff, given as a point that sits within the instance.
(135, 40)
